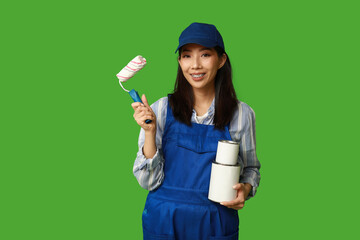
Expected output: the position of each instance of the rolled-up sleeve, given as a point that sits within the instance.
(149, 171)
(242, 130)
(247, 152)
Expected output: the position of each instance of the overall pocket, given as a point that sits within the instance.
(157, 220)
(197, 143)
(224, 223)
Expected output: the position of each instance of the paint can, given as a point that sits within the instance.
(225, 172)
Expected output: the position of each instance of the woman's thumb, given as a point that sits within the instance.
(143, 98)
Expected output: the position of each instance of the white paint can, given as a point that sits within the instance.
(227, 152)
(225, 172)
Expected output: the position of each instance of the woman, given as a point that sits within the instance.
(176, 149)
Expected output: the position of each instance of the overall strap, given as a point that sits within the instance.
(169, 118)
(169, 114)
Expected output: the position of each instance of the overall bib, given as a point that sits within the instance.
(180, 208)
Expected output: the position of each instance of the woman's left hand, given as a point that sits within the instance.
(243, 190)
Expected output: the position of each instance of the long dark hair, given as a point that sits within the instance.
(182, 99)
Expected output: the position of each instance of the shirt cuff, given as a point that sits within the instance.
(252, 183)
(149, 163)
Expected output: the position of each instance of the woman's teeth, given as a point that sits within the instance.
(197, 76)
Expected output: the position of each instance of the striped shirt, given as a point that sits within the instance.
(149, 171)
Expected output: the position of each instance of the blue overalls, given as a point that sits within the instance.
(180, 208)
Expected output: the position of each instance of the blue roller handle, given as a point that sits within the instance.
(135, 96)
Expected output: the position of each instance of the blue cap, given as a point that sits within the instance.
(201, 33)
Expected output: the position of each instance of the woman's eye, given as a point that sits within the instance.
(185, 56)
(206, 55)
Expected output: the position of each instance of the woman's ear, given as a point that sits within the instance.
(222, 60)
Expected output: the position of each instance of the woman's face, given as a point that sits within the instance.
(199, 65)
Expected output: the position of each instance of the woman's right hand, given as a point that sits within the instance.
(142, 112)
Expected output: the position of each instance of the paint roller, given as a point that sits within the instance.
(128, 72)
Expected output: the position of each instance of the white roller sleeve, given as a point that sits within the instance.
(131, 68)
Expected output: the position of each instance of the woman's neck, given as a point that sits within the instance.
(203, 100)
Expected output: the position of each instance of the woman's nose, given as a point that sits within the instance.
(196, 63)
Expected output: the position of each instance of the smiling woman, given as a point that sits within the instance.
(177, 148)
(199, 66)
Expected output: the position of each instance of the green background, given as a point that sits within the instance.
(68, 138)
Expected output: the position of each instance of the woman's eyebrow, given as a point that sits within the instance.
(202, 49)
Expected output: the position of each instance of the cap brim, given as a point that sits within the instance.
(202, 42)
